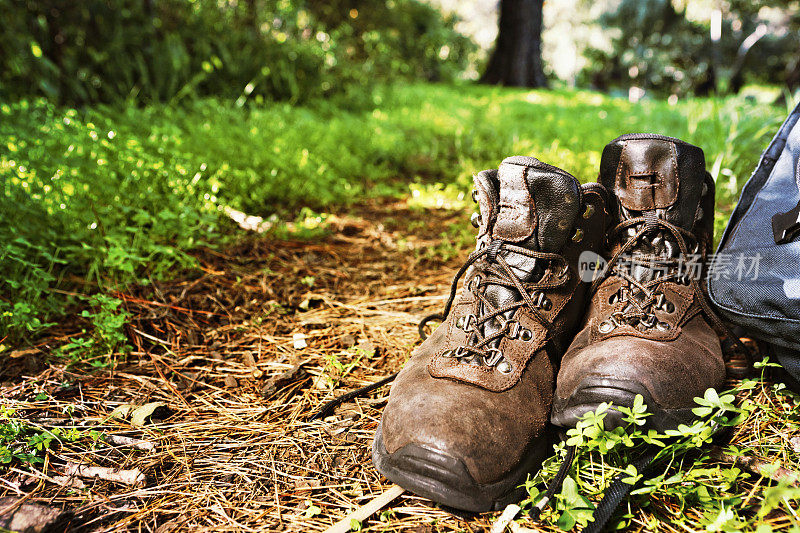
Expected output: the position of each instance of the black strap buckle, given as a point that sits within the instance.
(786, 226)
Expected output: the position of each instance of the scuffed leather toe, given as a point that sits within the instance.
(618, 368)
(466, 422)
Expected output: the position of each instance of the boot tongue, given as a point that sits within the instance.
(657, 174)
(537, 207)
(655, 177)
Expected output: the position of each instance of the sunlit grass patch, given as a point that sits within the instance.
(115, 196)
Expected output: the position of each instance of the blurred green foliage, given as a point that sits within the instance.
(167, 50)
(656, 48)
(655, 45)
(415, 39)
(93, 199)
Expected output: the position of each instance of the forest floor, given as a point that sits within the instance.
(219, 367)
(205, 424)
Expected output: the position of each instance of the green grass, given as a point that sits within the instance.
(97, 198)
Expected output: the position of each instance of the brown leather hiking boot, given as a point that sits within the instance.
(644, 332)
(467, 416)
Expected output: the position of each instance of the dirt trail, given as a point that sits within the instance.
(229, 447)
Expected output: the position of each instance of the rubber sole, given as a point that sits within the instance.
(594, 391)
(440, 477)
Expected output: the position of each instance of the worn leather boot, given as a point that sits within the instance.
(467, 417)
(645, 331)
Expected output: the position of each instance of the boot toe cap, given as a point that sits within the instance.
(668, 375)
(481, 435)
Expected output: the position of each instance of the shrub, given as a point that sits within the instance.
(166, 50)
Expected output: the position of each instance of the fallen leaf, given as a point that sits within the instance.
(133, 477)
(120, 440)
(366, 347)
(248, 359)
(16, 354)
(794, 442)
(315, 323)
(306, 484)
(32, 517)
(310, 301)
(230, 382)
(140, 415)
(321, 382)
(69, 482)
(275, 383)
(510, 512)
(349, 414)
(121, 412)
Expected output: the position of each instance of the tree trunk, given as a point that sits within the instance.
(252, 15)
(517, 57)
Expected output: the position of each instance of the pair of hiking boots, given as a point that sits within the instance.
(575, 295)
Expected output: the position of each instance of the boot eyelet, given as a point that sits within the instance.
(663, 326)
(612, 299)
(589, 211)
(504, 367)
(467, 324)
(460, 322)
(474, 282)
(578, 236)
(526, 335)
(475, 219)
(605, 327)
(547, 304)
(447, 353)
(670, 307)
(475, 195)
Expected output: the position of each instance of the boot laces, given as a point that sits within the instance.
(643, 298)
(637, 299)
(492, 269)
(498, 272)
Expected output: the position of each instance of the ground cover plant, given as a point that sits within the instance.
(99, 197)
(703, 474)
(146, 332)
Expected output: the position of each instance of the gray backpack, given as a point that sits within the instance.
(754, 279)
